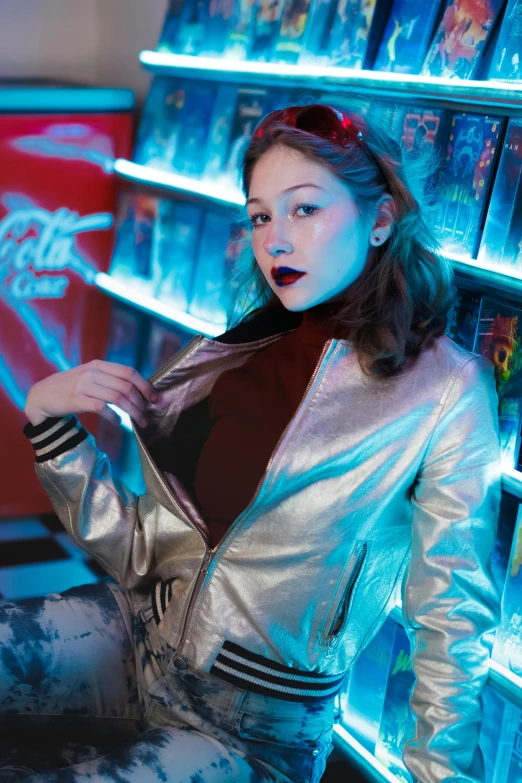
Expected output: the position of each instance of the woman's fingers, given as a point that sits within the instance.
(118, 398)
(88, 388)
(123, 387)
(129, 374)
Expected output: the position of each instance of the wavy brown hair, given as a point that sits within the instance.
(399, 303)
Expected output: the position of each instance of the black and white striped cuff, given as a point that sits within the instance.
(161, 593)
(253, 672)
(54, 436)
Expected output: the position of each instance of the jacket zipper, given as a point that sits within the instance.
(174, 360)
(333, 638)
(210, 553)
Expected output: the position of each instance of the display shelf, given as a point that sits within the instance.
(504, 682)
(215, 192)
(512, 482)
(501, 97)
(151, 306)
(360, 758)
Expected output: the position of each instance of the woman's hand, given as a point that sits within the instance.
(88, 388)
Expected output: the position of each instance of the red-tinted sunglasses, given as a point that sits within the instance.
(320, 120)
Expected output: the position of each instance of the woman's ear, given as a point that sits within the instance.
(383, 224)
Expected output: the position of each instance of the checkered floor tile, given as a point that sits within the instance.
(37, 556)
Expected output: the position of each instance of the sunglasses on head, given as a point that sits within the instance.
(322, 121)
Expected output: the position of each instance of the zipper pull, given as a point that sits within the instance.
(331, 643)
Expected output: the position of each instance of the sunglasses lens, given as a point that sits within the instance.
(325, 121)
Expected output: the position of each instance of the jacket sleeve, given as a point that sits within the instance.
(100, 512)
(451, 604)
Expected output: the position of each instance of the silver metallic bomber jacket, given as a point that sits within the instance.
(376, 488)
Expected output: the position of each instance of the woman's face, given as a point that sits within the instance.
(305, 218)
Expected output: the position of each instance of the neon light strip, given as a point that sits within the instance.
(495, 94)
(66, 99)
(512, 481)
(492, 275)
(154, 307)
(360, 757)
(216, 191)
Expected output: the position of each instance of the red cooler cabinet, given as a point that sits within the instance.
(57, 205)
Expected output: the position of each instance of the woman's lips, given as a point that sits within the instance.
(285, 275)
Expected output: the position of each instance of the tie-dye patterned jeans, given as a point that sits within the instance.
(94, 654)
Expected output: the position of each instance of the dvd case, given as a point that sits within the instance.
(506, 64)
(159, 128)
(490, 731)
(125, 335)
(220, 130)
(397, 720)
(458, 44)
(463, 323)
(216, 27)
(288, 44)
(122, 261)
(464, 180)
(169, 33)
(193, 21)
(195, 120)
(350, 33)
(209, 293)
(417, 126)
(315, 44)
(266, 28)
(501, 243)
(515, 765)
(250, 108)
(498, 338)
(507, 649)
(407, 36)
(132, 259)
(161, 344)
(240, 30)
(362, 700)
(176, 245)
(508, 754)
(507, 520)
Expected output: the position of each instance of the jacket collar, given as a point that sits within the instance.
(273, 321)
(276, 320)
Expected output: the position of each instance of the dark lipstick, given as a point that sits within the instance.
(285, 275)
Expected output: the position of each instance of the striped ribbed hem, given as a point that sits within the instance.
(255, 673)
(54, 436)
(161, 593)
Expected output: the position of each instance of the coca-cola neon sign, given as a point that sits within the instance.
(33, 240)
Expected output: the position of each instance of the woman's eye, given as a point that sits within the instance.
(309, 209)
(306, 210)
(255, 219)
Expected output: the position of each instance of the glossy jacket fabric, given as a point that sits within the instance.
(377, 487)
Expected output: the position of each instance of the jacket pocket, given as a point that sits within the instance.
(338, 617)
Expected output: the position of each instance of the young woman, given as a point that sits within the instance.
(331, 451)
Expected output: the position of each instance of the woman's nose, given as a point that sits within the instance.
(276, 242)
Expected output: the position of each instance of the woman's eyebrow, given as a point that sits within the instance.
(288, 190)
